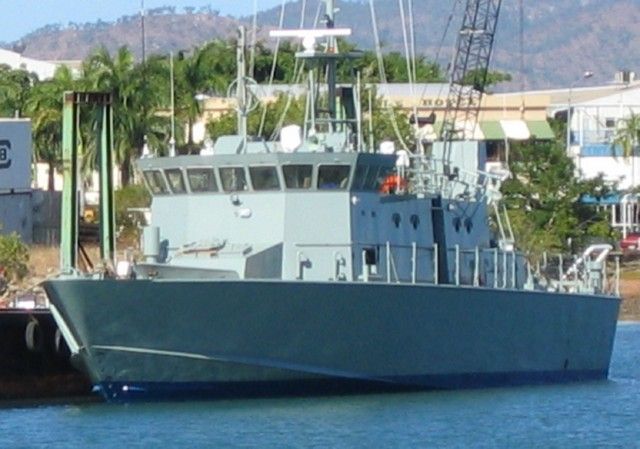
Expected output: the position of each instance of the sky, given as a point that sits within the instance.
(20, 17)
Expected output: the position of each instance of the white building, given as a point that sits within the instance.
(595, 115)
(43, 69)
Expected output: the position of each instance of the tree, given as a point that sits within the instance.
(44, 106)
(209, 70)
(139, 91)
(543, 199)
(15, 86)
(627, 135)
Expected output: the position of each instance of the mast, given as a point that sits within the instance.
(331, 63)
(241, 93)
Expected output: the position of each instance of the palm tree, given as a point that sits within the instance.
(44, 106)
(15, 86)
(627, 135)
(209, 69)
(138, 93)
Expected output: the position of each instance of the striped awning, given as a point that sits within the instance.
(541, 130)
(498, 130)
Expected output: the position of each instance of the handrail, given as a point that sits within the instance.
(501, 269)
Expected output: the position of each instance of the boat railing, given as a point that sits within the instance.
(432, 175)
(476, 267)
(414, 264)
(597, 270)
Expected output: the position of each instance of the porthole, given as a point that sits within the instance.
(415, 221)
(396, 218)
(457, 224)
(468, 224)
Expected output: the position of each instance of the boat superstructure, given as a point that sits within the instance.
(310, 265)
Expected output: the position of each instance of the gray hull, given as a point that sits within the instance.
(144, 339)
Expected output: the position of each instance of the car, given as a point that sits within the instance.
(631, 242)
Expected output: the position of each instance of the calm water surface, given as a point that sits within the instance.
(593, 415)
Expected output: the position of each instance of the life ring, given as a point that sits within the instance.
(33, 336)
(393, 184)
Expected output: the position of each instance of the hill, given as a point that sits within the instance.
(561, 39)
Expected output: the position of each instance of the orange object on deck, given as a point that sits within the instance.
(393, 184)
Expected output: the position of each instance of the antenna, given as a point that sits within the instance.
(309, 36)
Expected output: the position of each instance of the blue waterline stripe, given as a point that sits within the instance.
(146, 391)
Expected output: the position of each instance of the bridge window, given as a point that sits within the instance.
(360, 177)
(233, 179)
(202, 180)
(333, 176)
(377, 176)
(156, 182)
(297, 176)
(264, 178)
(176, 181)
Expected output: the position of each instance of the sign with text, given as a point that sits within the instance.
(15, 155)
(5, 157)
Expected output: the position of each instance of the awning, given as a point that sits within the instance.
(515, 129)
(498, 130)
(540, 129)
(492, 130)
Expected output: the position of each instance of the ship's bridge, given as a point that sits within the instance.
(253, 214)
(265, 173)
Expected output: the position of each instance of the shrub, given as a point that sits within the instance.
(14, 257)
(128, 222)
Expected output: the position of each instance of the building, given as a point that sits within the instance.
(16, 211)
(500, 116)
(594, 115)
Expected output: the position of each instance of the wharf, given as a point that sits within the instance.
(34, 360)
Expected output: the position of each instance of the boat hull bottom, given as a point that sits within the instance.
(169, 391)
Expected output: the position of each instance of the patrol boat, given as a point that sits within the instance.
(311, 265)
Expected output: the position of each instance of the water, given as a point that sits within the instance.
(588, 415)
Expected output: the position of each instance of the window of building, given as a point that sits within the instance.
(333, 176)
(202, 180)
(176, 180)
(264, 178)
(156, 182)
(496, 151)
(297, 176)
(233, 179)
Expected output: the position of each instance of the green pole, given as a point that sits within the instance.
(69, 215)
(107, 216)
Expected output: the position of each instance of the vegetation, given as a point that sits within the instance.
(14, 257)
(130, 221)
(142, 98)
(627, 135)
(543, 198)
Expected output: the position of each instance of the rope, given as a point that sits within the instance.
(298, 70)
(254, 28)
(441, 44)
(405, 40)
(383, 76)
(413, 41)
(522, 77)
(273, 66)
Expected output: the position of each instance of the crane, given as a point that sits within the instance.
(468, 70)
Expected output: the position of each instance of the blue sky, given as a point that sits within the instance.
(20, 17)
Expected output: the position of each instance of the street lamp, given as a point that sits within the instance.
(586, 75)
